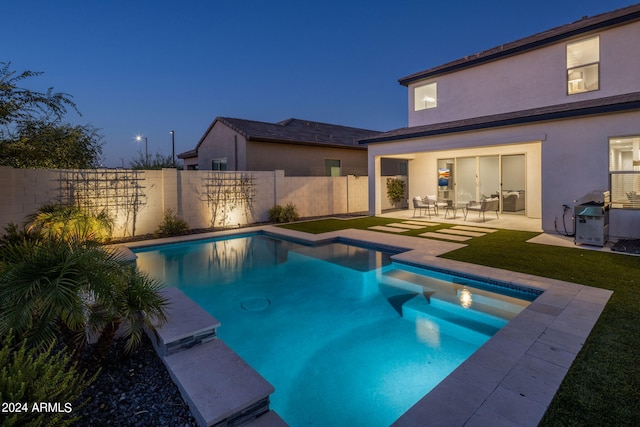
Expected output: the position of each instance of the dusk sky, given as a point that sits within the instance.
(148, 67)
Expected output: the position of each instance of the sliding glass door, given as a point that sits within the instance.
(480, 177)
(513, 183)
(466, 179)
(488, 177)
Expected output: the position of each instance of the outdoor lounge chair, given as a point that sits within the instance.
(419, 203)
(482, 207)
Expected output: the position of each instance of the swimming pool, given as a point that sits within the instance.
(345, 335)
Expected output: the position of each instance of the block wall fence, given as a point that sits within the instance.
(137, 200)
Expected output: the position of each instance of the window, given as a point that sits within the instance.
(583, 65)
(219, 164)
(425, 97)
(624, 171)
(332, 167)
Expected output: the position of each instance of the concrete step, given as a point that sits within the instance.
(187, 324)
(220, 388)
(270, 419)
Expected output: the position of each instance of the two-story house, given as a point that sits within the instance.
(539, 122)
(298, 147)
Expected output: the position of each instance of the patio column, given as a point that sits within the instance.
(375, 202)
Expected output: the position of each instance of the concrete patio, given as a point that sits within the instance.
(505, 221)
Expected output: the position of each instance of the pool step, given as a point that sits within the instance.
(221, 389)
(438, 291)
(448, 321)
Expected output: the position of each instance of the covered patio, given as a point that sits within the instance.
(505, 221)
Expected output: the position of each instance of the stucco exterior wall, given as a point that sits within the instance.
(304, 160)
(222, 141)
(531, 80)
(575, 161)
(192, 194)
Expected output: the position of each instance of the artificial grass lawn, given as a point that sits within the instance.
(602, 386)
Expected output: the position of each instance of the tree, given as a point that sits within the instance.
(19, 105)
(32, 134)
(159, 161)
(41, 144)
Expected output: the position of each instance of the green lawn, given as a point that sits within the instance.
(603, 384)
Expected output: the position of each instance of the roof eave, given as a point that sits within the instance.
(305, 143)
(521, 46)
(512, 121)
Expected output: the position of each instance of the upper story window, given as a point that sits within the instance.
(583, 65)
(425, 96)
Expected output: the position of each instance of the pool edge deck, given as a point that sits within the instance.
(510, 380)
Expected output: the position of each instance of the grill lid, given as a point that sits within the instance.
(589, 210)
(595, 198)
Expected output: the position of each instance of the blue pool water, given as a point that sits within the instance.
(345, 336)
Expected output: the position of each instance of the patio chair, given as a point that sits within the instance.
(438, 204)
(419, 203)
(482, 207)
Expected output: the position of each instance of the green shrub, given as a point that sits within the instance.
(29, 377)
(172, 225)
(14, 234)
(283, 214)
(275, 213)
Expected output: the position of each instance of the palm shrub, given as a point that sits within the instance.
(51, 287)
(30, 376)
(67, 222)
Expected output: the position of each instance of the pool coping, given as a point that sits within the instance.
(511, 379)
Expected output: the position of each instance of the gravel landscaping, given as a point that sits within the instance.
(133, 390)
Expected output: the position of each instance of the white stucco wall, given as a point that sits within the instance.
(530, 80)
(571, 160)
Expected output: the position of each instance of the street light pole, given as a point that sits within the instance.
(146, 148)
(173, 148)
